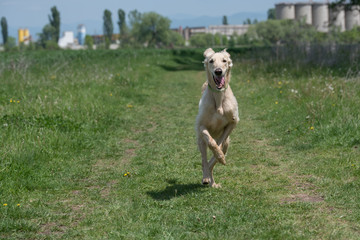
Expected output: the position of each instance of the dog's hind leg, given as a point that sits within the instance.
(213, 161)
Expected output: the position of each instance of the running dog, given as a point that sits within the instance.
(218, 112)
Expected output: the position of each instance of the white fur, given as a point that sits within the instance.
(218, 114)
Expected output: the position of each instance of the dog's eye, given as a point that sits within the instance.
(224, 60)
(211, 61)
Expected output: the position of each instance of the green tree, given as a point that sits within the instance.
(247, 21)
(352, 36)
(152, 29)
(122, 25)
(108, 27)
(224, 40)
(55, 23)
(10, 44)
(347, 2)
(282, 31)
(198, 40)
(134, 18)
(271, 14)
(47, 34)
(225, 20)
(4, 30)
(175, 39)
(243, 39)
(232, 40)
(89, 42)
(217, 39)
(202, 40)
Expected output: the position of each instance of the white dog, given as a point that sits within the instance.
(218, 112)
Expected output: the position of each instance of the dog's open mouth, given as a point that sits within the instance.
(219, 81)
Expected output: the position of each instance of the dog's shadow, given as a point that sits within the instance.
(174, 190)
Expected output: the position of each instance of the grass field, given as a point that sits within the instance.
(101, 145)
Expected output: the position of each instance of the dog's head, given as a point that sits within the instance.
(218, 66)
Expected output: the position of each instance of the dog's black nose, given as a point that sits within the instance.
(218, 71)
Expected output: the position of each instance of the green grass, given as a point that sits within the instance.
(73, 123)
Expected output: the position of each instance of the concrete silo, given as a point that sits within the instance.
(320, 16)
(24, 36)
(352, 17)
(81, 34)
(20, 35)
(303, 11)
(285, 11)
(337, 17)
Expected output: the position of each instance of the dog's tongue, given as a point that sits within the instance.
(220, 81)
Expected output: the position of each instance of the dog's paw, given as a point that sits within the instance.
(206, 181)
(216, 185)
(220, 157)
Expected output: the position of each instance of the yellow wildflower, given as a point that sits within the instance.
(280, 91)
(18, 101)
(5, 204)
(18, 205)
(129, 106)
(11, 100)
(279, 82)
(311, 128)
(125, 174)
(276, 102)
(110, 94)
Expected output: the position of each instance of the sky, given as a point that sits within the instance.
(34, 13)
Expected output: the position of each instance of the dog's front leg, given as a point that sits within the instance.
(211, 143)
(228, 129)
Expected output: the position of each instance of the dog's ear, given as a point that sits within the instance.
(228, 57)
(225, 52)
(208, 52)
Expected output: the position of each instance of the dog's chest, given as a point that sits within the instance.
(219, 121)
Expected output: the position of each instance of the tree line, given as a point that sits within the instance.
(144, 29)
(150, 29)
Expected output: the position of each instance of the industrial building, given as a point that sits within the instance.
(67, 40)
(320, 15)
(24, 36)
(227, 30)
(81, 34)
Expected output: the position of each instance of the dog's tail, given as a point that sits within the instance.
(204, 86)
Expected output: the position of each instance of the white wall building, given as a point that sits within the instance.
(67, 40)
(228, 30)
